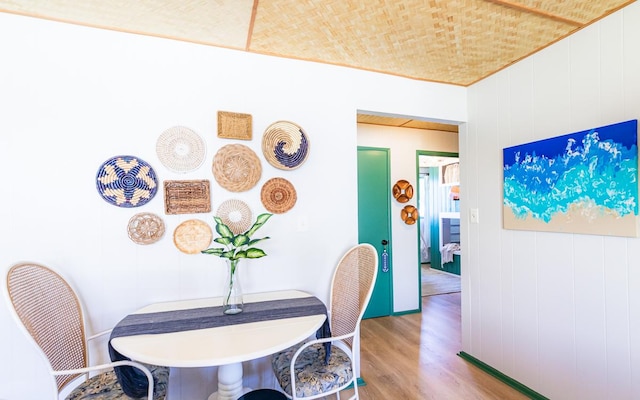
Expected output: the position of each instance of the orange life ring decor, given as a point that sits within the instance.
(402, 191)
(409, 215)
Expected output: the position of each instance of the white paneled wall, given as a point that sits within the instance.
(558, 312)
(71, 97)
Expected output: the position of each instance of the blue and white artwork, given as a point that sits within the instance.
(584, 182)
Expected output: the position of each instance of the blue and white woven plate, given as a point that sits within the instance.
(126, 181)
(285, 145)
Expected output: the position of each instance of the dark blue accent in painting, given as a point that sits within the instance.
(595, 169)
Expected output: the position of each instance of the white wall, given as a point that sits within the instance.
(558, 312)
(403, 144)
(72, 97)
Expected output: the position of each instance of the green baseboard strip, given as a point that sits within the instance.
(359, 381)
(397, 314)
(502, 377)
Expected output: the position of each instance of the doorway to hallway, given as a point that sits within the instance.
(439, 209)
(402, 137)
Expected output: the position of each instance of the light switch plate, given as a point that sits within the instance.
(474, 216)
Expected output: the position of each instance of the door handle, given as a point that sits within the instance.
(384, 256)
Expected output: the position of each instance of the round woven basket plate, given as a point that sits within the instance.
(145, 228)
(236, 167)
(278, 195)
(235, 214)
(180, 149)
(285, 145)
(126, 181)
(192, 236)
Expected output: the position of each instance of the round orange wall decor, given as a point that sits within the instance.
(402, 191)
(409, 215)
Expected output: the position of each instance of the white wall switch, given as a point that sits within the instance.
(474, 216)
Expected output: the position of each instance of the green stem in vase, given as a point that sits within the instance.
(232, 274)
(236, 247)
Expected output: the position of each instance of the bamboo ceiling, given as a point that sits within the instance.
(451, 41)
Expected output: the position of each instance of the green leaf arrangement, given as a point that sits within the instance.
(238, 246)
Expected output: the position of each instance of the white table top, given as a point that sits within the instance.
(220, 345)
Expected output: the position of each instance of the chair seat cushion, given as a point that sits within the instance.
(313, 376)
(105, 386)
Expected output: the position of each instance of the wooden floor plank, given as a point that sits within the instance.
(415, 357)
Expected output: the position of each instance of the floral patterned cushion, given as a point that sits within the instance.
(105, 386)
(313, 376)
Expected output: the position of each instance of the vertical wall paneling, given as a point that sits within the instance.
(551, 98)
(612, 67)
(464, 138)
(574, 298)
(633, 254)
(616, 289)
(585, 79)
(556, 317)
(631, 61)
(490, 222)
(589, 305)
(505, 237)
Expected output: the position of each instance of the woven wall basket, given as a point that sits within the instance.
(278, 195)
(233, 125)
(126, 181)
(145, 228)
(180, 149)
(285, 145)
(187, 197)
(236, 167)
(192, 236)
(235, 214)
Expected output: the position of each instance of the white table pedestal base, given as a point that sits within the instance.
(229, 383)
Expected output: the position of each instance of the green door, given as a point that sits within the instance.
(374, 222)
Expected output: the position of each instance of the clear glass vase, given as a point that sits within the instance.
(232, 302)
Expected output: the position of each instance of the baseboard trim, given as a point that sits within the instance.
(400, 313)
(359, 381)
(502, 377)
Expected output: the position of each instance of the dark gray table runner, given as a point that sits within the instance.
(133, 381)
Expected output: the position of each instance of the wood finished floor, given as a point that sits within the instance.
(414, 357)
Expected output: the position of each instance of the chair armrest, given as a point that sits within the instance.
(99, 334)
(339, 342)
(322, 340)
(107, 366)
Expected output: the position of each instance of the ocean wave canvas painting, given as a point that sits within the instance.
(585, 182)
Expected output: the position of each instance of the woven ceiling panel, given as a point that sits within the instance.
(581, 11)
(451, 41)
(454, 41)
(222, 22)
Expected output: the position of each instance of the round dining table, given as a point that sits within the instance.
(225, 346)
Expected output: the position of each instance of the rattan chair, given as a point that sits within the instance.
(48, 311)
(301, 370)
